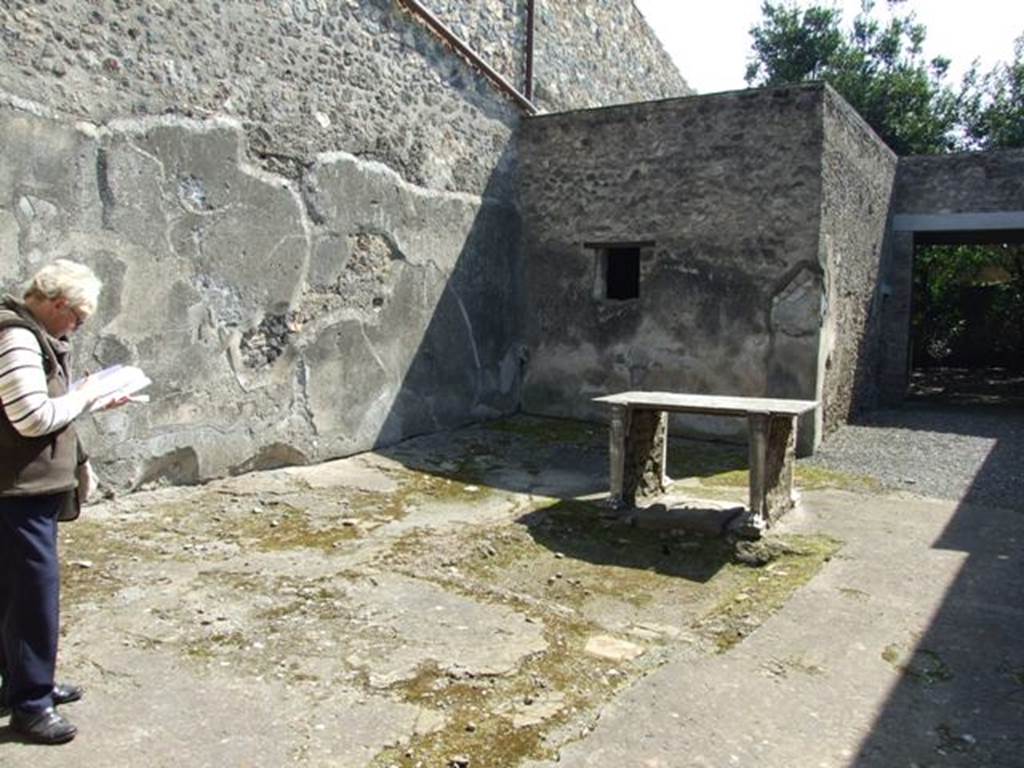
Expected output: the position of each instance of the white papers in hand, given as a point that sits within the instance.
(113, 383)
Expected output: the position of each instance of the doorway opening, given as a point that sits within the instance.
(967, 319)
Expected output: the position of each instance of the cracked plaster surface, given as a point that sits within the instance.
(315, 318)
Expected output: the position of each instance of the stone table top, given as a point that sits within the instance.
(718, 404)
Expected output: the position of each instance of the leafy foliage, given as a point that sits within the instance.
(879, 68)
(793, 46)
(969, 305)
(994, 106)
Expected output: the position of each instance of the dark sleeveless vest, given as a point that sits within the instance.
(33, 466)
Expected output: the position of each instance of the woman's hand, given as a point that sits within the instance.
(117, 402)
(89, 390)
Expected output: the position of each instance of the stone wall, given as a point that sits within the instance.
(303, 212)
(974, 192)
(278, 326)
(590, 53)
(586, 52)
(969, 182)
(302, 77)
(308, 76)
(724, 194)
(495, 29)
(858, 171)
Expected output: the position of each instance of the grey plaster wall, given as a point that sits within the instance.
(728, 188)
(304, 213)
(858, 172)
(272, 335)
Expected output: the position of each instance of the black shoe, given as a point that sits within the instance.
(46, 727)
(63, 693)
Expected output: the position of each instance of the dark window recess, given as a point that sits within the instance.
(622, 273)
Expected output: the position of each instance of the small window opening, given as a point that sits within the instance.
(622, 273)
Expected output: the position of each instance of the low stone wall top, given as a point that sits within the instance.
(968, 182)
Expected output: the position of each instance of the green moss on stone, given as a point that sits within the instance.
(759, 592)
(546, 431)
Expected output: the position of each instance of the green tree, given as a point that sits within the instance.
(994, 108)
(879, 68)
(969, 305)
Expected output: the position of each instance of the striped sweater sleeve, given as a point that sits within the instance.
(23, 393)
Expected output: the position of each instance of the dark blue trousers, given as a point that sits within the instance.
(29, 599)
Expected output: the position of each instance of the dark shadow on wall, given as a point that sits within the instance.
(866, 390)
(960, 699)
(466, 365)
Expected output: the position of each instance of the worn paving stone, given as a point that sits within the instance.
(397, 608)
(612, 648)
(425, 624)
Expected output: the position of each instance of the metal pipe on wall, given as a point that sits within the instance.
(528, 89)
(474, 58)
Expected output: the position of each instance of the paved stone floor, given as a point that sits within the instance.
(465, 599)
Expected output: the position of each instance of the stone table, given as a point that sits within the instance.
(638, 442)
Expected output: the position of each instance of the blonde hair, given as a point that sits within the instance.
(68, 279)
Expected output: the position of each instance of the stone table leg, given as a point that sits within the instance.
(643, 467)
(779, 464)
(772, 444)
(756, 521)
(618, 427)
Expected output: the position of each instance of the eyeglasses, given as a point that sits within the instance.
(79, 315)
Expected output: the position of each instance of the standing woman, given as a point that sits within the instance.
(41, 464)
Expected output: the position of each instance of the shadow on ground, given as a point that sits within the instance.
(590, 532)
(967, 386)
(558, 458)
(459, 594)
(960, 700)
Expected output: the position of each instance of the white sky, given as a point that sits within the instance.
(709, 40)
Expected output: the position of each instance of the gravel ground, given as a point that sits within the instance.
(964, 452)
